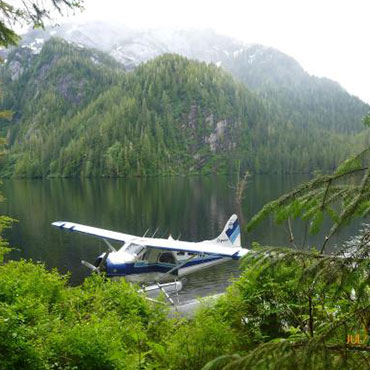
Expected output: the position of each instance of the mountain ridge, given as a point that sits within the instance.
(211, 121)
(265, 70)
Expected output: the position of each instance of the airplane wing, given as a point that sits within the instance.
(205, 247)
(94, 231)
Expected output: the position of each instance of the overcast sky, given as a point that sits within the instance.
(328, 37)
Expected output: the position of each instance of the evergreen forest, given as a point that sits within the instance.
(76, 112)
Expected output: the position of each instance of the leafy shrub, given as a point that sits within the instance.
(45, 324)
(195, 342)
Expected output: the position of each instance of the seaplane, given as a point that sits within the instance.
(154, 260)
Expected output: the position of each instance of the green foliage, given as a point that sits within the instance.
(5, 223)
(298, 309)
(196, 342)
(45, 324)
(341, 196)
(102, 324)
(7, 36)
(221, 362)
(29, 12)
(367, 120)
(293, 309)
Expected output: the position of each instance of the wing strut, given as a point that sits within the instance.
(109, 245)
(177, 267)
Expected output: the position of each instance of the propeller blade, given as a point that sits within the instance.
(90, 266)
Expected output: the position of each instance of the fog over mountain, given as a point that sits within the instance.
(132, 47)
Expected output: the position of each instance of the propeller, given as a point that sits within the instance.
(100, 263)
(89, 265)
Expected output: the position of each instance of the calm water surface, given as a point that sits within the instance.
(194, 208)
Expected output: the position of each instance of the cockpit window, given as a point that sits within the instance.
(166, 257)
(134, 249)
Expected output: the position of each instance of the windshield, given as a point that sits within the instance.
(134, 249)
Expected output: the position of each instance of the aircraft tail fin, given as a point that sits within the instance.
(230, 236)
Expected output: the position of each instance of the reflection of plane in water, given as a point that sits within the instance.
(143, 259)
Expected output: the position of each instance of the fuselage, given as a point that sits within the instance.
(138, 263)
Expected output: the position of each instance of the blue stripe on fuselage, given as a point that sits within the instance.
(123, 269)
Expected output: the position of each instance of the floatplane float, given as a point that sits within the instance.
(153, 260)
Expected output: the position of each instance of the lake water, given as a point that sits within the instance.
(192, 208)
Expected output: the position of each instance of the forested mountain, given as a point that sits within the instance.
(168, 116)
(57, 82)
(278, 79)
(300, 98)
(78, 113)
